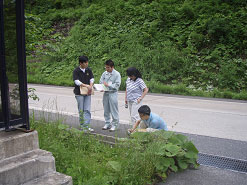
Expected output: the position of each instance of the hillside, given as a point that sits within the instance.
(194, 47)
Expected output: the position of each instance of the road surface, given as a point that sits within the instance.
(202, 116)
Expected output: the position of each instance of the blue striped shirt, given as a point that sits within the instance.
(134, 89)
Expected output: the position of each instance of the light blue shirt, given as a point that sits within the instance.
(156, 122)
(113, 80)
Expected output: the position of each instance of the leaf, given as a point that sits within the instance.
(160, 150)
(162, 175)
(191, 155)
(174, 168)
(162, 164)
(182, 138)
(167, 162)
(169, 154)
(182, 164)
(115, 165)
(62, 126)
(174, 140)
(173, 149)
(159, 166)
(166, 134)
(190, 147)
(74, 130)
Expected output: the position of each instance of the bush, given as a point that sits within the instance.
(142, 159)
(198, 43)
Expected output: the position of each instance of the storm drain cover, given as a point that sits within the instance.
(222, 162)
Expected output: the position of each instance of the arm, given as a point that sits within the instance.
(91, 80)
(90, 86)
(77, 82)
(135, 126)
(145, 91)
(125, 97)
(101, 81)
(76, 79)
(116, 84)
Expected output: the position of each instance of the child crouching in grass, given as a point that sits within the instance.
(149, 120)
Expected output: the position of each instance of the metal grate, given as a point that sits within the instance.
(222, 162)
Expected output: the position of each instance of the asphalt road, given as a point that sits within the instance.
(202, 116)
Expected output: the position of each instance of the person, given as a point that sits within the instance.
(149, 120)
(112, 80)
(83, 77)
(136, 90)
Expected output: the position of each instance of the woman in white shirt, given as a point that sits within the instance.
(136, 90)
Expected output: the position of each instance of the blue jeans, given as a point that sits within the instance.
(84, 108)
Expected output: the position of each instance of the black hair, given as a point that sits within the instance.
(109, 63)
(83, 59)
(144, 109)
(132, 71)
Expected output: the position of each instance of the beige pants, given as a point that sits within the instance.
(133, 108)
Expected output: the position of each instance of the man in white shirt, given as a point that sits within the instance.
(112, 80)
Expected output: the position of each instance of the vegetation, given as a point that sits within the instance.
(144, 159)
(197, 45)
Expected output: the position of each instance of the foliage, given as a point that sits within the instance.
(15, 93)
(143, 159)
(196, 43)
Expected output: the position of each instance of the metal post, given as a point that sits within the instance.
(20, 25)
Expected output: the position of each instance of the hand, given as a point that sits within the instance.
(89, 88)
(126, 102)
(106, 84)
(130, 130)
(139, 100)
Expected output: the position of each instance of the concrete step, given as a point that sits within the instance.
(17, 142)
(54, 178)
(25, 167)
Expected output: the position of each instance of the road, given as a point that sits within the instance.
(202, 116)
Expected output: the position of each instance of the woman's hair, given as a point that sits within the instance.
(132, 71)
(144, 109)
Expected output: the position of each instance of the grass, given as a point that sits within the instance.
(36, 75)
(144, 159)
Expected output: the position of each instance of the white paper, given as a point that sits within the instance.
(100, 87)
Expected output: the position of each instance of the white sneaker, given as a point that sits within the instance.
(106, 127)
(90, 129)
(113, 128)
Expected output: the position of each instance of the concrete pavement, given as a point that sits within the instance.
(192, 115)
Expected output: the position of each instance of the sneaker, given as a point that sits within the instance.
(106, 127)
(113, 128)
(90, 129)
(86, 129)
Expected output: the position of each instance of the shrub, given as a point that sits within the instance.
(142, 159)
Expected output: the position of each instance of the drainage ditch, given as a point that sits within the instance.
(222, 162)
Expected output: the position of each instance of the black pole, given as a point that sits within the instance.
(21, 55)
(4, 78)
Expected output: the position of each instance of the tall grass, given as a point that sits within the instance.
(140, 160)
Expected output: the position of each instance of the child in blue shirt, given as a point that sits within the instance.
(149, 120)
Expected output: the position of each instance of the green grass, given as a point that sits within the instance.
(39, 73)
(144, 159)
